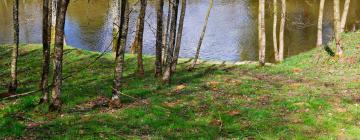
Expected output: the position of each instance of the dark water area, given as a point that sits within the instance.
(231, 33)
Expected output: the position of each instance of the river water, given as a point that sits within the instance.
(231, 33)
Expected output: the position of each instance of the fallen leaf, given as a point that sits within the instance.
(297, 70)
(216, 122)
(179, 88)
(234, 112)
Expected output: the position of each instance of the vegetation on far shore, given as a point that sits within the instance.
(309, 96)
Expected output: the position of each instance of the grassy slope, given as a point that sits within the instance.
(308, 96)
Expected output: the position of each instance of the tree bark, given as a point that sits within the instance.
(276, 51)
(140, 35)
(179, 34)
(15, 51)
(46, 40)
(337, 27)
(170, 50)
(119, 60)
(282, 30)
(202, 35)
(166, 34)
(59, 49)
(159, 38)
(115, 13)
(344, 15)
(320, 24)
(262, 36)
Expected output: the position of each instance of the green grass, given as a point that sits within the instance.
(309, 96)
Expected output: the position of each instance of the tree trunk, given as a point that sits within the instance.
(166, 35)
(46, 40)
(344, 15)
(170, 50)
(115, 13)
(282, 30)
(337, 26)
(262, 36)
(202, 35)
(276, 51)
(15, 51)
(59, 49)
(119, 60)
(320, 24)
(159, 37)
(140, 35)
(179, 34)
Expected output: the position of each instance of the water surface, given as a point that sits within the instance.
(231, 34)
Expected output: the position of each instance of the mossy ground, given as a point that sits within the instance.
(309, 96)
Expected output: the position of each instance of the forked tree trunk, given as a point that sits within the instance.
(197, 54)
(59, 49)
(15, 50)
(46, 40)
(262, 36)
(320, 24)
(159, 38)
(170, 50)
(179, 34)
(276, 51)
(344, 15)
(119, 60)
(337, 27)
(282, 30)
(140, 35)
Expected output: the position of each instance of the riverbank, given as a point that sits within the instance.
(309, 96)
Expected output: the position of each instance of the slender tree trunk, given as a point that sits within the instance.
(282, 30)
(159, 37)
(170, 50)
(115, 13)
(337, 27)
(135, 45)
(344, 15)
(119, 60)
(202, 35)
(166, 35)
(262, 36)
(140, 35)
(179, 34)
(276, 51)
(46, 39)
(320, 24)
(59, 46)
(15, 51)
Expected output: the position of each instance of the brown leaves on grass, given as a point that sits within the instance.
(216, 122)
(233, 112)
(172, 104)
(297, 70)
(180, 88)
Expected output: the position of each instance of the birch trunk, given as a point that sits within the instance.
(179, 34)
(344, 15)
(15, 50)
(59, 49)
(262, 36)
(46, 39)
(320, 24)
(119, 60)
(170, 50)
(202, 35)
(159, 38)
(276, 51)
(140, 35)
(282, 30)
(337, 27)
